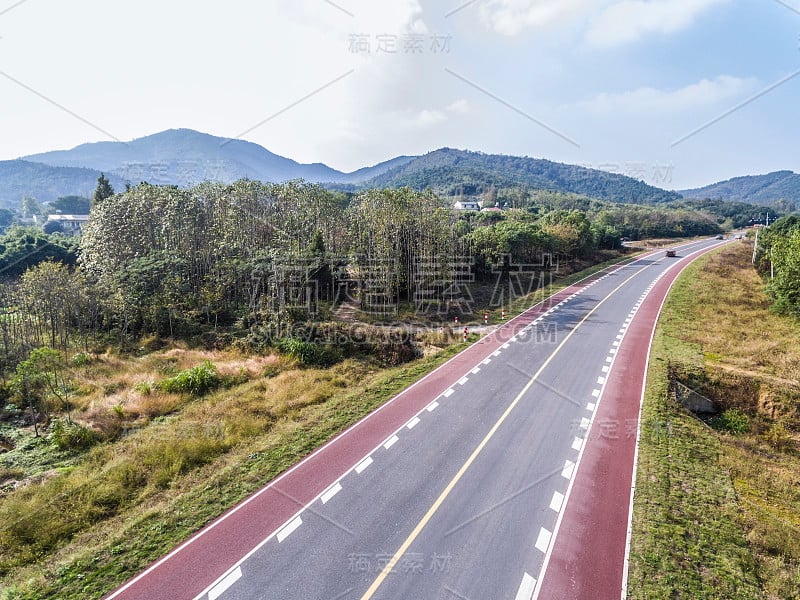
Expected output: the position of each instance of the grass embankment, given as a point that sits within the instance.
(717, 507)
(75, 523)
(128, 502)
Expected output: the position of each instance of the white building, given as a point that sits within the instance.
(70, 224)
(467, 205)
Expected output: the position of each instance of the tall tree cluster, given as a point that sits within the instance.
(778, 259)
(159, 259)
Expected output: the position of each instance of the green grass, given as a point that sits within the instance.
(717, 512)
(159, 497)
(109, 512)
(687, 542)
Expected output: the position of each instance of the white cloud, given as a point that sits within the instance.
(630, 20)
(512, 17)
(704, 93)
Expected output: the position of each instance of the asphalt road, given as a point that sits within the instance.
(507, 473)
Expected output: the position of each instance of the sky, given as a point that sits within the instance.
(678, 93)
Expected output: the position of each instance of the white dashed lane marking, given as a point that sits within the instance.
(543, 541)
(526, 588)
(332, 491)
(289, 529)
(228, 581)
(363, 465)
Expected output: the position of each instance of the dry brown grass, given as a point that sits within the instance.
(112, 382)
(720, 331)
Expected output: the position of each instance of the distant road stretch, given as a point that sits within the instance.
(505, 473)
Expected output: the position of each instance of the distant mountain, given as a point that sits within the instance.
(19, 178)
(755, 189)
(185, 157)
(454, 172)
(368, 173)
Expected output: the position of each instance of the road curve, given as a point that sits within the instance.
(505, 473)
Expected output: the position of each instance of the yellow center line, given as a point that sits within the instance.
(440, 500)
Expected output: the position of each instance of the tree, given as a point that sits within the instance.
(72, 205)
(103, 191)
(785, 287)
(6, 219)
(42, 375)
(30, 208)
(25, 247)
(52, 227)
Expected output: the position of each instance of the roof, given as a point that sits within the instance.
(68, 218)
(467, 205)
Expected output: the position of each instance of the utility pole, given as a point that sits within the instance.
(755, 246)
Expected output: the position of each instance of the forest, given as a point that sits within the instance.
(254, 263)
(258, 256)
(777, 258)
(188, 326)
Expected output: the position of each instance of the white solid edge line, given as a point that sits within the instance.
(559, 519)
(205, 530)
(629, 534)
(319, 450)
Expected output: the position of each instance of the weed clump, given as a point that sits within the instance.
(197, 381)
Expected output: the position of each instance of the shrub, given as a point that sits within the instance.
(309, 353)
(71, 436)
(81, 359)
(144, 387)
(230, 381)
(732, 421)
(196, 381)
(779, 437)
